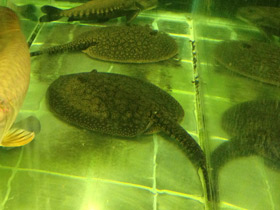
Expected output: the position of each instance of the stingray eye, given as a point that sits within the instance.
(154, 32)
(82, 79)
(246, 46)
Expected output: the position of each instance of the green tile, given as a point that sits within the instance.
(64, 149)
(39, 190)
(168, 202)
(246, 182)
(5, 175)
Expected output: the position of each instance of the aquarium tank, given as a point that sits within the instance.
(140, 105)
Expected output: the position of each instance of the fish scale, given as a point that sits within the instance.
(123, 106)
(15, 76)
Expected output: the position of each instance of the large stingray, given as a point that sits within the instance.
(254, 128)
(125, 44)
(256, 60)
(123, 106)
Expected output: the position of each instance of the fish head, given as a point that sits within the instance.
(252, 14)
(7, 117)
(146, 4)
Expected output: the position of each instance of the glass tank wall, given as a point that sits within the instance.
(226, 78)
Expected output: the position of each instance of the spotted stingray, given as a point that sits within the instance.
(122, 106)
(254, 128)
(256, 60)
(124, 44)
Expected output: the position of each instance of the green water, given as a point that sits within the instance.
(70, 168)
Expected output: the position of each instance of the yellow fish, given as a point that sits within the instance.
(15, 76)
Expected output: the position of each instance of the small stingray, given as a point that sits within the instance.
(122, 106)
(124, 44)
(254, 127)
(256, 60)
(265, 18)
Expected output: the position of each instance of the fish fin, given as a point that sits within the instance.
(131, 16)
(17, 137)
(52, 13)
(30, 123)
(28, 11)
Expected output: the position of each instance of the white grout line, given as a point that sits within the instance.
(110, 68)
(9, 187)
(267, 184)
(155, 140)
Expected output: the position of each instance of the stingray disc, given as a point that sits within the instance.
(251, 116)
(131, 44)
(256, 60)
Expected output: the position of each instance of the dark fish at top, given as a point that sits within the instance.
(254, 128)
(27, 11)
(265, 18)
(256, 60)
(99, 10)
(123, 106)
(124, 44)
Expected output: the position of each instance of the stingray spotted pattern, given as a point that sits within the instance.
(124, 44)
(123, 106)
(100, 10)
(265, 18)
(256, 60)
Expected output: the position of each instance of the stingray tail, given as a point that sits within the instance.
(68, 47)
(52, 13)
(223, 154)
(191, 149)
(194, 153)
(53, 50)
(219, 157)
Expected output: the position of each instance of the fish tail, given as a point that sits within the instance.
(52, 13)
(226, 152)
(68, 47)
(219, 157)
(51, 50)
(192, 151)
(196, 156)
(28, 11)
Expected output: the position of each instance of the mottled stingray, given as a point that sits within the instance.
(265, 18)
(124, 44)
(122, 106)
(254, 128)
(256, 60)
